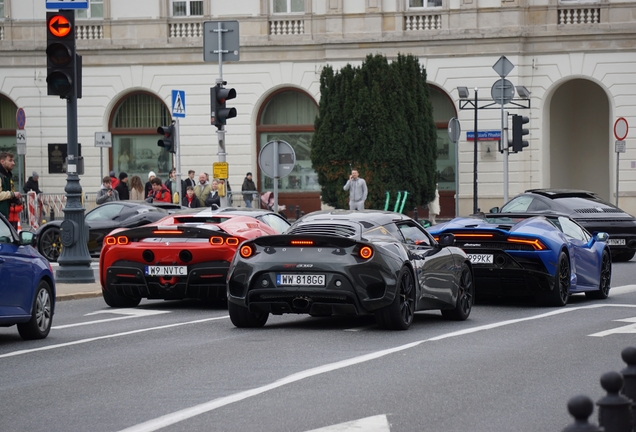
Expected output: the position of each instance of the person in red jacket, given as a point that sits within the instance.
(159, 192)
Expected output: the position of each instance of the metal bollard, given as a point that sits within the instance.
(415, 214)
(614, 410)
(297, 212)
(629, 378)
(581, 408)
(52, 214)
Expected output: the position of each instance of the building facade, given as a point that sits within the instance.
(577, 59)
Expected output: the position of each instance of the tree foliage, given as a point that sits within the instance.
(376, 118)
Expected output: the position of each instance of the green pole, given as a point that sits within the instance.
(397, 201)
(406, 193)
(386, 203)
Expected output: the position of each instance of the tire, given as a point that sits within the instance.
(117, 301)
(559, 295)
(242, 318)
(604, 280)
(399, 314)
(623, 257)
(39, 326)
(50, 244)
(465, 297)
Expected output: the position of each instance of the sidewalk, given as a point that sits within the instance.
(73, 291)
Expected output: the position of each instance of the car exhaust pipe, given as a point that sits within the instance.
(301, 302)
(632, 244)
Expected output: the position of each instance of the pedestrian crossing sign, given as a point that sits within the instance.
(178, 103)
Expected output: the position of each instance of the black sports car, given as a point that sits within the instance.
(351, 263)
(590, 211)
(100, 221)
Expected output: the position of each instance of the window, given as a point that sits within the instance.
(1, 9)
(134, 129)
(95, 10)
(187, 8)
(289, 116)
(8, 129)
(518, 205)
(104, 212)
(288, 6)
(413, 234)
(571, 229)
(419, 4)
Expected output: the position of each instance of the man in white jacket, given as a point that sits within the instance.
(358, 191)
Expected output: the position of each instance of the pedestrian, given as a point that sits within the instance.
(136, 189)
(159, 192)
(190, 199)
(190, 181)
(358, 191)
(171, 184)
(114, 181)
(8, 196)
(123, 161)
(148, 186)
(122, 187)
(433, 207)
(202, 190)
(213, 199)
(106, 193)
(32, 184)
(248, 189)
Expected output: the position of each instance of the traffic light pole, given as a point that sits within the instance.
(221, 131)
(75, 260)
(177, 160)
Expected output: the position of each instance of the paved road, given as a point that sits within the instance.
(178, 366)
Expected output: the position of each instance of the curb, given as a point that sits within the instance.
(78, 296)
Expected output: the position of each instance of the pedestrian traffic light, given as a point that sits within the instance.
(62, 78)
(219, 95)
(518, 143)
(167, 142)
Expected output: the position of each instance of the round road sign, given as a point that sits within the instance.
(620, 129)
(59, 26)
(20, 118)
(454, 129)
(502, 91)
(277, 159)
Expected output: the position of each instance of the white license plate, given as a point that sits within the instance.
(300, 280)
(616, 242)
(480, 258)
(166, 270)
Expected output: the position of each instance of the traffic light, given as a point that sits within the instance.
(167, 142)
(61, 57)
(219, 112)
(518, 143)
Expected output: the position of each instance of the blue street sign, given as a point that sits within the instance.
(67, 4)
(491, 135)
(178, 103)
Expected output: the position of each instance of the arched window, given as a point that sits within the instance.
(289, 116)
(133, 126)
(8, 129)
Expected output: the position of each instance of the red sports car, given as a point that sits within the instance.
(184, 255)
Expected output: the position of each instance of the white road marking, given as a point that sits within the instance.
(625, 329)
(128, 313)
(187, 413)
(377, 423)
(114, 335)
(356, 329)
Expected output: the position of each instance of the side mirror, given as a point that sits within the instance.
(601, 236)
(27, 238)
(446, 239)
(494, 210)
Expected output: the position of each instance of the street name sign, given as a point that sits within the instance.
(67, 4)
(490, 135)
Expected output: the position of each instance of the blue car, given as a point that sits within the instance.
(27, 286)
(545, 256)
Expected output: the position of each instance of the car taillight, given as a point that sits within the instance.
(366, 252)
(534, 242)
(113, 240)
(167, 232)
(246, 251)
(218, 241)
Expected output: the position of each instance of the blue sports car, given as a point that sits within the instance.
(547, 256)
(27, 286)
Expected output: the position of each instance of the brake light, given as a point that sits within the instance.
(110, 240)
(122, 240)
(302, 242)
(366, 252)
(535, 243)
(246, 251)
(232, 241)
(216, 240)
(473, 235)
(167, 232)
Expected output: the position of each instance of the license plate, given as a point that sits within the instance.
(616, 242)
(480, 258)
(300, 280)
(166, 270)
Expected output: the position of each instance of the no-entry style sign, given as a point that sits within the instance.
(59, 26)
(620, 129)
